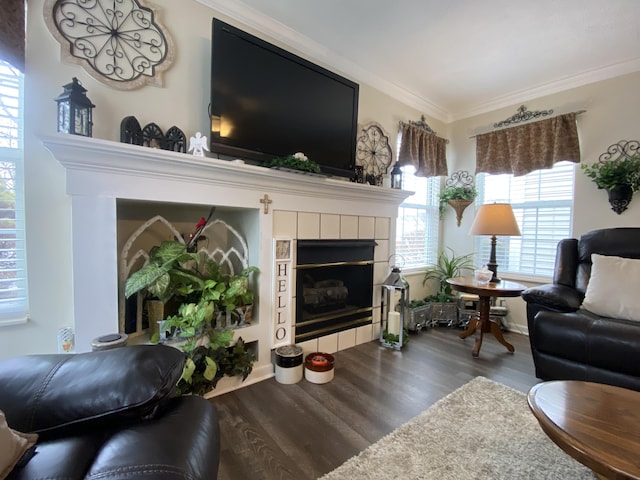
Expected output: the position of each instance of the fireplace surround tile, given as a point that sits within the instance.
(364, 334)
(329, 226)
(381, 253)
(348, 226)
(308, 225)
(328, 343)
(347, 339)
(366, 227)
(285, 223)
(382, 228)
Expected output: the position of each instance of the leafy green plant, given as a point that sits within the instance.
(456, 193)
(448, 266)
(201, 289)
(611, 174)
(297, 161)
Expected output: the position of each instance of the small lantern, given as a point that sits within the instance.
(394, 309)
(396, 177)
(74, 110)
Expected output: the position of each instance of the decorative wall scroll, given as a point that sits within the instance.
(120, 43)
(373, 153)
(522, 115)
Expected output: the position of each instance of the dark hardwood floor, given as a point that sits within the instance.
(271, 431)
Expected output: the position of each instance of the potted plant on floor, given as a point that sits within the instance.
(443, 307)
(200, 289)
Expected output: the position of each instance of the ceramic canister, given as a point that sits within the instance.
(318, 367)
(289, 364)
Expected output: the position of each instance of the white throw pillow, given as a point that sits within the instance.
(13, 445)
(614, 287)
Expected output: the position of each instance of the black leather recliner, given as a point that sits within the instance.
(109, 414)
(571, 343)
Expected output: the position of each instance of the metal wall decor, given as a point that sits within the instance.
(373, 152)
(118, 42)
(621, 196)
(459, 180)
(522, 115)
(421, 124)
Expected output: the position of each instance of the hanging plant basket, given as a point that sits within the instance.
(459, 205)
(620, 197)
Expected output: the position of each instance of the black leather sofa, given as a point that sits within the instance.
(109, 415)
(571, 343)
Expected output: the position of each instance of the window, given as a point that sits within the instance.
(417, 225)
(542, 202)
(13, 281)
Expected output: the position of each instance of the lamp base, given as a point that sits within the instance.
(491, 264)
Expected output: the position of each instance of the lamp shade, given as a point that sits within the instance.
(495, 219)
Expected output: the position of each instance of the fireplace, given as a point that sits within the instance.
(334, 286)
(265, 204)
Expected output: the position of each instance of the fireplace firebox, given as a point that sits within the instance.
(334, 286)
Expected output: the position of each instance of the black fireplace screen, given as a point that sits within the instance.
(334, 286)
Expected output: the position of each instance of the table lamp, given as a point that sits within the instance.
(494, 219)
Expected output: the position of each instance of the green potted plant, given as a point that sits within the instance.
(200, 289)
(459, 197)
(619, 177)
(448, 266)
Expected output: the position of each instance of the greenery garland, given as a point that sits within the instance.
(297, 161)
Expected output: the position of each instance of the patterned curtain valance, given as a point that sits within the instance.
(526, 148)
(12, 33)
(424, 150)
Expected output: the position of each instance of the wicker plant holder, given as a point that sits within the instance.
(459, 206)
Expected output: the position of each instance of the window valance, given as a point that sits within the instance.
(12, 33)
(525, 148)
(422, 148)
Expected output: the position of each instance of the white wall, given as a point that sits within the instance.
(611, 116)
(183, 102)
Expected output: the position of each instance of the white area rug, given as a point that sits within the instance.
(482, 430)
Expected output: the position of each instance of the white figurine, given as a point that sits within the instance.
(198, 144)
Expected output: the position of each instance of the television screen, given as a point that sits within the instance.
(267, 103)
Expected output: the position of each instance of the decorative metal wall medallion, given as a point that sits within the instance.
(373, 151)
(118, 42)
(522, 115)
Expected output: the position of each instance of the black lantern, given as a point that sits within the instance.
(394, 309)
(396, 177)
(74, 110)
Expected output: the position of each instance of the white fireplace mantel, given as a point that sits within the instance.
(105, 168)
(101, 172)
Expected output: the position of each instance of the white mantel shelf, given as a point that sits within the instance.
(89, 161)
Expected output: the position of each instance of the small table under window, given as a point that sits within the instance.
(482, 322)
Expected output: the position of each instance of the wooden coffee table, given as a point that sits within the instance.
(482, 323)
(598, 425)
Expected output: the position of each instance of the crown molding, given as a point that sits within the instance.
(266, 25)
(563, 84)
(317, 52)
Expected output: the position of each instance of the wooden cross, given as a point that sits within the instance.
(266, 202)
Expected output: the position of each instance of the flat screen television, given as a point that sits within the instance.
(267, 103)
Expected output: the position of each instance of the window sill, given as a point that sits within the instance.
(14, 321)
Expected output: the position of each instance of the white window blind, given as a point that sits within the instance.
(542, 202)
(13, 281)
(417, 225)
